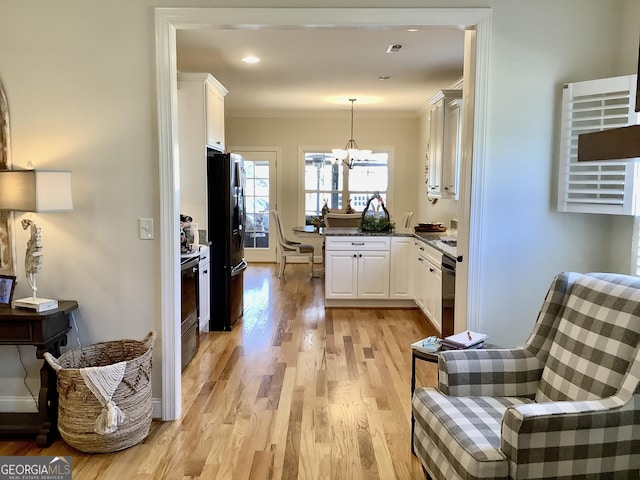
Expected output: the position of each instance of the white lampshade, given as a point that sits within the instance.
(35, 191)
(339, 153)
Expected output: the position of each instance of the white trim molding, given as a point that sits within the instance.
(168, 20)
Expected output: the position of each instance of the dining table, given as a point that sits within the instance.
(308, 231)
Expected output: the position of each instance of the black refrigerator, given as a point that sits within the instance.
(225, 231)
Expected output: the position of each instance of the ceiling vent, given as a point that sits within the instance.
(394, 48)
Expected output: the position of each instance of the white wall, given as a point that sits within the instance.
(290, 133)
(80, 79)
(525, 241)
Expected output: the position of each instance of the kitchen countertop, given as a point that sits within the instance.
(433, 239)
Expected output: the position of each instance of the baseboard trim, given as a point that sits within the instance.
(25, 404)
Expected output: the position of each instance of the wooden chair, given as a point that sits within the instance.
(290, 248)
(342, 220)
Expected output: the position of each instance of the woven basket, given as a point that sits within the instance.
(78, 408)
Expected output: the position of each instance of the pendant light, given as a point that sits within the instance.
(350, 154)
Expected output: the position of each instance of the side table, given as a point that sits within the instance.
(431, 357)
(47, 331)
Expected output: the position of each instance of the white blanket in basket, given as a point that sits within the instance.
(103, 381)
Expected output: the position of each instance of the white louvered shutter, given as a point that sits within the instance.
(610, 186)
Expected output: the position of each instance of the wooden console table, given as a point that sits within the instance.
(47, 331)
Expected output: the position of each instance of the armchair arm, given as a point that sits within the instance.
(495, 373)
(581, 438)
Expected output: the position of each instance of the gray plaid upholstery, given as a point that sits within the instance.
(565, 404)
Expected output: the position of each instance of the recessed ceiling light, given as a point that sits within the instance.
(412, 29)
(250, 59)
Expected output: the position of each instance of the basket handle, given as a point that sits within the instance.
(52, 361)
(150, 338)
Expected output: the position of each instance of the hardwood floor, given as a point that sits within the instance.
(293, 392)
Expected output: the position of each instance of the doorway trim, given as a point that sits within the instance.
(169, 20)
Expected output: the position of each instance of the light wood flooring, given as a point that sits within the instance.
(293, 392)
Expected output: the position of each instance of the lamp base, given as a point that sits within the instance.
(37, 304)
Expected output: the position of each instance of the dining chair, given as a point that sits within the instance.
(342, 220)
(289, 248)
(406, 219)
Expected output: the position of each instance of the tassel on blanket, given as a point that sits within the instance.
(109, 419)
(103, 381)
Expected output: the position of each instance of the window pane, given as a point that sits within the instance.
(371, 175)
(314, 201)
(320, 173)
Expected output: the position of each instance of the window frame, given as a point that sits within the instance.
(302, 150)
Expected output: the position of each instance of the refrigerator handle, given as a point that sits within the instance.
(238, 269)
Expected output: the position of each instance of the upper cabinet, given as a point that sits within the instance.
(200, 125)
(201, 107)
(445, 115)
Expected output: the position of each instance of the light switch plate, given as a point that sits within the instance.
(145, 227)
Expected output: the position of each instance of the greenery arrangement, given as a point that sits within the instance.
(371, 223)
(317, 221)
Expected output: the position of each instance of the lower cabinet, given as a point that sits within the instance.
(427, 278)
(400, 266)
(357, 274)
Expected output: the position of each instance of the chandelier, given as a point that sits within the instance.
(350, 154)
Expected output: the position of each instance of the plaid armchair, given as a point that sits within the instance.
(565, 404)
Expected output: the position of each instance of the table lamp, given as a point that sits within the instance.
(35, 191)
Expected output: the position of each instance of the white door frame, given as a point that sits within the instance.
(168, 20)
(265, 255)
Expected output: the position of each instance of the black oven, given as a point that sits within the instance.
(189, 325)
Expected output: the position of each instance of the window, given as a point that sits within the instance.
(326, 180)
(257, 204)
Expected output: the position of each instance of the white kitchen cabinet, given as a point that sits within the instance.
(204, 282)
(214, 102)
(400, 279)
(444, 144)
(200, 125)
(428, 282)
(357, 268)
(341, 274)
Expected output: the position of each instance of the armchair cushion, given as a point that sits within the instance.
(467, 429)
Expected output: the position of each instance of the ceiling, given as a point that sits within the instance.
(318, 70)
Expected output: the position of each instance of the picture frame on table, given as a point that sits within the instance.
(7, 286)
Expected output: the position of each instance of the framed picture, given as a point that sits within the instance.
(7, 285)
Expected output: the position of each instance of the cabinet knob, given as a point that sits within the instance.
(354, 255)
(360, 255)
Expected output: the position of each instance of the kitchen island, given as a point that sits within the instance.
(378, 269)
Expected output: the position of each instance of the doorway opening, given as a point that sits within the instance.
(169, 20)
